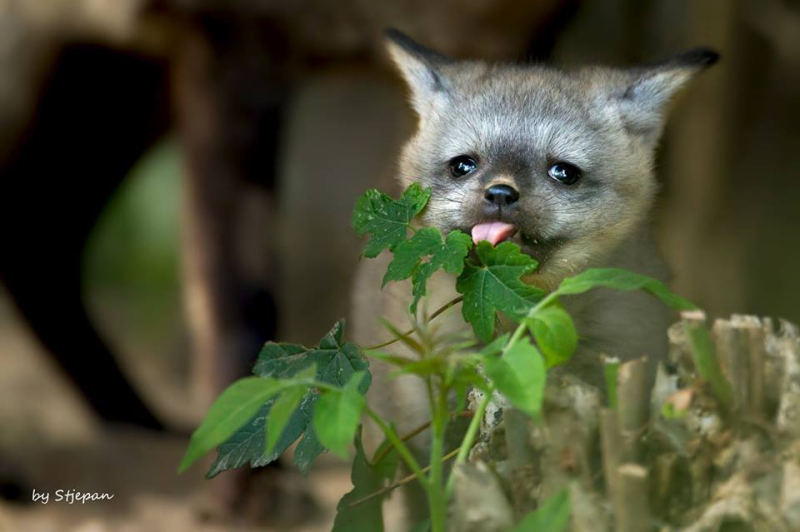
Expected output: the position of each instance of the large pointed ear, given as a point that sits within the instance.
(421, 68)
(646, 91)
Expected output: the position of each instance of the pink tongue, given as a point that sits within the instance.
(494, 232)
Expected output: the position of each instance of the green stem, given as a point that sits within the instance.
(472, 430)
(436, 495)
(401, 447)
(531, 313)
(436, 499)
(469, 437)
(400, 482)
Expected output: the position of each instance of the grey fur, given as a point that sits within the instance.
(516, 121)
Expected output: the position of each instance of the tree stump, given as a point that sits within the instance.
(713, 446)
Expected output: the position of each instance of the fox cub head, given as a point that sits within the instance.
(560, 162)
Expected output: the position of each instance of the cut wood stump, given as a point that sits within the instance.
(713, 446)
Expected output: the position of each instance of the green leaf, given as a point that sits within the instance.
(281, 413)
(248, 444)
(385, 460)
(704, 354)
(285, 406)
(390, 358)
(423, 254)
(617, 279)
(495, 347)
(337, 415)
(335, 360)
(427, 367)
(495, 285)
(237, 404)
(309, 447)
(408, 254)
(555, 334)
(367, 479)
(385, 219)
(552, 516)
(520, 376)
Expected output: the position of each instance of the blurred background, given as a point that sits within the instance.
(177, 178)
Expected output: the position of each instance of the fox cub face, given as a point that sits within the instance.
(559, 162)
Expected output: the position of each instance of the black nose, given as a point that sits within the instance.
(501, 195)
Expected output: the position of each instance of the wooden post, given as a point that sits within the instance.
(630, 501)
(611, 445)
(633, 406)
(740, 347)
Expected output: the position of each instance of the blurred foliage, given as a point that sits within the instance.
(131, 257)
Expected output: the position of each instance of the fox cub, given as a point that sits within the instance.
(560, 162)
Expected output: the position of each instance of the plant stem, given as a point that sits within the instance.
(417, 431)
(401, 447)
(437, 501)
(469, 437)
(472, 430)
(436, 314)
(402, 481)
(405, 437)
(520, 330)
(438, 495)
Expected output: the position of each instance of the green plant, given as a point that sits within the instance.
(316, 394)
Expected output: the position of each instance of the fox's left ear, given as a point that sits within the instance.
(643, 96)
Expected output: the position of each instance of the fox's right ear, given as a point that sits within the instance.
(421, 68)
(643, 96)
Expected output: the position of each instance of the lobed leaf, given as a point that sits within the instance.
(385, 219)
(624, 280)
(407, 255)
(520, 376)
(335, 362)
(309, 447)
(423, 254)
(495, 285)
(248, 444)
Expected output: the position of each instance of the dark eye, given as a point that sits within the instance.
(462, 165)
(565, 173)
